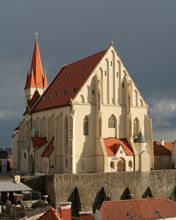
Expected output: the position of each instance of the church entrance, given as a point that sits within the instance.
(121, 165)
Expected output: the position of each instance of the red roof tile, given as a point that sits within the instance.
(112, 146)
(169, 145)
(159, 149)
(50, 215)
(149, 208)
(68, 82)
(49, 149)
(38, 142)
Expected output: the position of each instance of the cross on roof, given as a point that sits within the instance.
(36, 35)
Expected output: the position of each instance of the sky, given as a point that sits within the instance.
(143, 32)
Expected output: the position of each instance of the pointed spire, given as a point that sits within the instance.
(45, 82)
(32, 80)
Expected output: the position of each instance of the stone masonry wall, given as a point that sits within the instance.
(90, 189)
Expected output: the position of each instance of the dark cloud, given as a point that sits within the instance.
(143, 32)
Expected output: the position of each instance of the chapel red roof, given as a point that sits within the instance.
(49, 149)
(68, 82)
(113, 144)
(50, 215)
(160, 149)
(38, 142)
(149, 208)
(36, 77)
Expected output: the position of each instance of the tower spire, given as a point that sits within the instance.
(36, 78)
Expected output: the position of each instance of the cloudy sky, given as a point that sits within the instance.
(143, 32)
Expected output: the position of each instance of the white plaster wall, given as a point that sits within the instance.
(84, 146)
(15, 150)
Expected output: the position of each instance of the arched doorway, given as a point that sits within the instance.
(121, 166)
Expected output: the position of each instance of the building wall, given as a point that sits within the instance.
(15, 150)
(162, 162)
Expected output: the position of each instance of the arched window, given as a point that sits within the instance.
(130, 164)
(112, 164)
(135, 127)
(86, 126)
(111, 122)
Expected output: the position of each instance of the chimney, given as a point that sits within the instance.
(65, 210)
(162, 142)
(16, 179)
(85, 215)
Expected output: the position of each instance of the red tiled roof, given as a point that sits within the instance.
(36, 77)
(49, 149)
(148, 208)
(68, 82)
(50, 215)
(112, 146)
(38, 142)
(169, 145)
(160, 149)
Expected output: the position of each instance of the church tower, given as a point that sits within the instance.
(36, 80)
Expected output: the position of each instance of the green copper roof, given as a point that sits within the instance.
(140, 138)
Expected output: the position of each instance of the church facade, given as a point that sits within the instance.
(91, 118)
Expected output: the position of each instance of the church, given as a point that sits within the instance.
(90, 118)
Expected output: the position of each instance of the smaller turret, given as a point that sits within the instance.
(141, 142)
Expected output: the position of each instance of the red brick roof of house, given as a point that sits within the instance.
(49, 148)
(68, 82)
(51, 214)
(160, 149)
(38, 142)
(113, 144)
(149, 208)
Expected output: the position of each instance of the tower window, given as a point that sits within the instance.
(111, 122)
(93, 92)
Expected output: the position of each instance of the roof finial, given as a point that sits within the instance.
(36, 35)
(112, 42)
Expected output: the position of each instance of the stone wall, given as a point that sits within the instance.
(87, 191)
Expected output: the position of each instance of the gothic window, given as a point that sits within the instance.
(136, 127)
(112, 164)
(86, 126)
(130, 164)
(111, 122)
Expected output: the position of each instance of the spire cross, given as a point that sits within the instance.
(36, 35)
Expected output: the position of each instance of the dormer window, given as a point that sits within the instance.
(85, 66)
(50, 96)
(67, 73)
